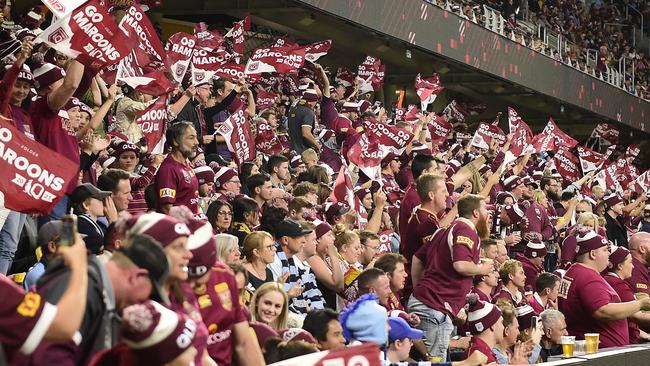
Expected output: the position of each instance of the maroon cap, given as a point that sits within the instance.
(515, 212)
(501, 196)
(617, 257)
(453, 166)
(612, 200)
(203, 247)
(363, 106)
(222, 175)
(350, 107)
(420, 149)
(535, 249)
(481, 315)
(156, 333)
(204, 174)
(511, 182)
(124, 146)
(25, 74)
(589, 241)
(360, 193)
(73, 102)
(310, 95)
(322, 228)
(296, 161)
(335, 209)
(388, 158)
(297, 334)
(47, 74)
(163, 228)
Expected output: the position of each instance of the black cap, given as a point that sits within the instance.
(145, 252)
(87, 190)
(291, 229)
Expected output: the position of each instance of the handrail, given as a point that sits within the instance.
(641, 17)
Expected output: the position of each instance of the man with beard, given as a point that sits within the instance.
(176, 183)
(442, 272)
(640, 250)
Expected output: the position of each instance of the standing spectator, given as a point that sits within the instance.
(176, 183)
(126, 110)
(616, 230)
(278, 168)
(443, 270)
(118, 182)
(324, 325)
(640, 279)
(302, 122)
(589, 302)
(193, 111)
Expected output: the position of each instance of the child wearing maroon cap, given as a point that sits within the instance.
(589, 303)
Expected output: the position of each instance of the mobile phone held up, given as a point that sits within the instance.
(69, 229)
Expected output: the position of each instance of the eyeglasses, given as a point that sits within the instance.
(270, 246)
(371, 247)
(237, 181)
(224, 213)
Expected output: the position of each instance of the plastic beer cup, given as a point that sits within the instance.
(592, 340)
(568, 342)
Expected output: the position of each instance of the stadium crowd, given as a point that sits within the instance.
(453, 252)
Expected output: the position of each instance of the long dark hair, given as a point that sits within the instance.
(213, 212)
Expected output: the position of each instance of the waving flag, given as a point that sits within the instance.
(485, 133)
(153, 122)
(552, 138)
(567, 165)
(237, 133)
(282, 60)
(179, 49)
(589, 159)
(317, 50)
(522, 136)
(428, 89)
(237, 34)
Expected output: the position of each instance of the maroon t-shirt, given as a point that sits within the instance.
(640, 280)
(481, 295)
(539, 222)
(420, 227)
(516, 300)
(53, 130)
(441, 287)
(177, 184)
(410, 201)
(625, 292)
(535, 302)
(220, 308)
(191, 307)
(24, 318)
(582, 292)
(341, 124)
(477, 344)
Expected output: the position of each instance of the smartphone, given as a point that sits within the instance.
(533, 321)
(69, 229)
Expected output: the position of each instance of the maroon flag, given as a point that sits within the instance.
(439, 129)
(268, 82)
(345, 77)
(342, 190)
(153, 122)
(454, 111)
(179, 49)
(552, 138)
(487, 132)
(126, 68)
(34, 177)
(207, 40)
(149, 49)
(154, 83)
(282, 60)
(366, 154)
(390, 137)
(265, 99)
(589, 159)
(632, 152)
(236, 34)
(237, 132)
(641, 184)
(607, 177)
(317, 50)
(364, 355)
(285, 42)
(266, 140)
(428, 87)
(385, 241)
(567, 165)
(521, 133)
(607, 133)
(205, 68)
(90, 35)
(372, 73)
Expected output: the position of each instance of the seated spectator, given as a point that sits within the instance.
(349, 247)
(324, 325)
(270, 305)
(326, 264)
(374, 281)
(513, 280)
(532, 262)
(554, 327)
(49, 236)
(400, 340)
(486, 326)
(393, 265)
(219, 215)
(88, 204)
(245, 217)
(227, 248)
(548, 287)
(226, 183)
(484, 286)
(116, 181)
(259, 188)
(259, 251)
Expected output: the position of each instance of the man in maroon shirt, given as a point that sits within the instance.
(589, 303)
(176, 183)
(640, 249)
(442, 272)
(423, 222)
(545, 297)
(513, 279)
(421, 164)
(50, 121)
(533, 262)
(485, 285)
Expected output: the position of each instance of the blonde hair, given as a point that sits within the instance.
(309, 154)
(254, 240)
(225, 244)
(281, 321)
(343, 236)
(585, 217)
(507, 268)
(537, 195)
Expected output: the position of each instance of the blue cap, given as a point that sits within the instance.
(400, 329)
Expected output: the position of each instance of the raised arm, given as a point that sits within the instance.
(59, 97)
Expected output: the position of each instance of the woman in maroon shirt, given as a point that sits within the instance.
(14, 90)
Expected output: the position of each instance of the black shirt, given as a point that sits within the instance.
(300, 116)
(616, 231)
(256, 282)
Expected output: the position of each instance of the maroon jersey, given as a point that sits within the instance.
(24, 318)
(477, 344)
(220, 309)
(410, 201)
(569, 249)
(177, 184)
(420, 228)
(582, 292)
(441, 287)
(625, 292)
(53, 130)
(640, 280)
(190, 306)
(539, 222)
(535, 302)
(341, 124)
(481, 295)
(516, 299)
(531, 271)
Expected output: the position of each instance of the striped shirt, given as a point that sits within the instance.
(138, 184)
(311, 297)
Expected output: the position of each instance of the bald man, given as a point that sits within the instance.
(640, 248)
